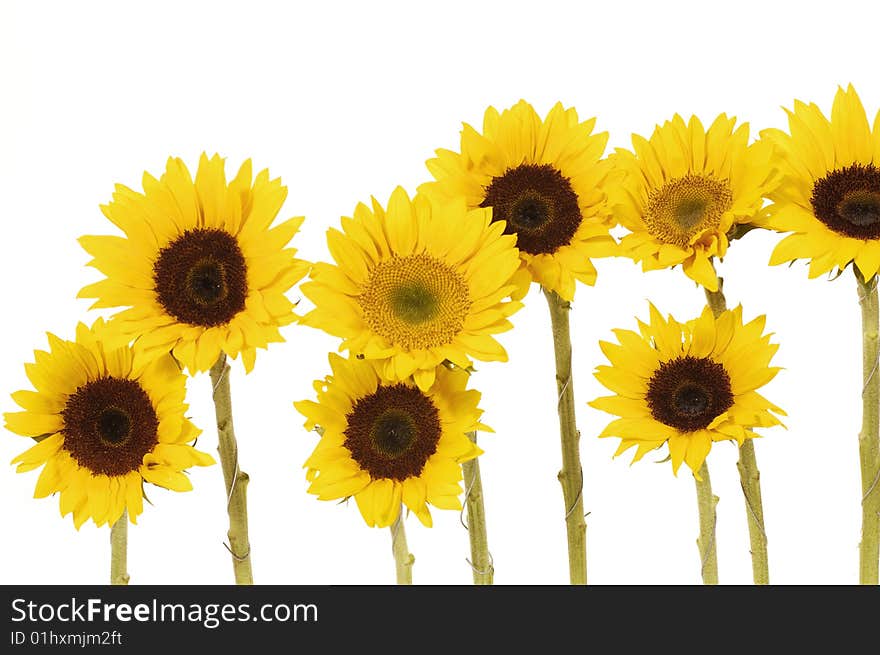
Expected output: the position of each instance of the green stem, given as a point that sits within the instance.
(481, 559)
(119, 551)
(750, 481)
(571, 475)
(236, 479)
(749, 476)
(706, 503)
(716, 300)
(869, 447)
(403, 559)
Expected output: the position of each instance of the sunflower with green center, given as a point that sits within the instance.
(829, 198)
(687, 384)
(543, 180)
(682, 192)
(390, 442)
(199, 268)
(416, 285)
(105, 426)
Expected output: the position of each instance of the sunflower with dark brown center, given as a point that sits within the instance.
(537, 205)
(687, 384)
(683, 191)
(829, 198)
(545, 180)
(387, 443)
(688, 393)
(201, 278)
(105, 426)
(200, 267)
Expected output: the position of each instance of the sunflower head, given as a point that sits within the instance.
(829, 198)
(199, 268)
(681, 192)
(544, 181)
(415, 285)
(687, 384)
(390, 442)
(104, 425)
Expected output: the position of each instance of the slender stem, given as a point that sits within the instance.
(403, 559)
(571, 475)
(869, 448)
(236, 479)
(706, 503)
(749, 477)
(750, 481)
(716, 300)
(481, 559)
(119, 551)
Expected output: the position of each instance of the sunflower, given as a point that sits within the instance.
(682, 192)
(199, 268)
(105, 426)
(830, 194)
(543, 180)
(389, 442)
(416, 285)
(687, 385)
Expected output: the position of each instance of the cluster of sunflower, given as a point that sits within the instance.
(419, 288)
(204, 275)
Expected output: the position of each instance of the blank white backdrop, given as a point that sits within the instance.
(347, 100)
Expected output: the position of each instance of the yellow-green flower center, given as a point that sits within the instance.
(682, 208)
(689, 212)
(415, 302)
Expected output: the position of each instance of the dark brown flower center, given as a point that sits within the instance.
(109, 425)
(687, 393)
(538, 205)
(114, 425)
(201, 277)
(847, 201)
(392, 432)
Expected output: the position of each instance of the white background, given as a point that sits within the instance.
(344, 101)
